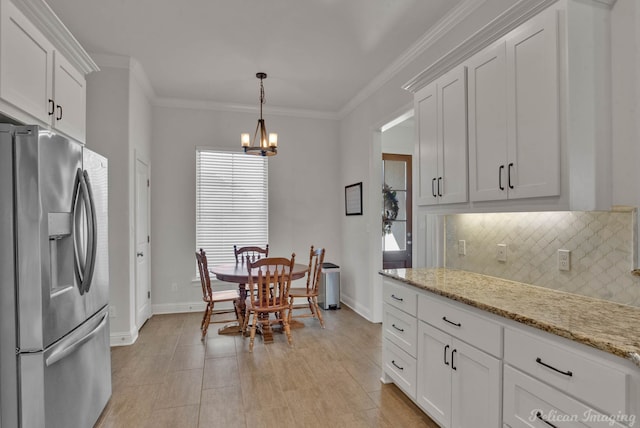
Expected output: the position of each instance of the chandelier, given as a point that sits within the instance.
(264, 147)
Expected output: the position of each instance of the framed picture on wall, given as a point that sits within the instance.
(353, 199)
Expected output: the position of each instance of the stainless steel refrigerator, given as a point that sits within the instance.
(55, 366)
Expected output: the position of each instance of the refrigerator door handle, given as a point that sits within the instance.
(82, 262)
(64, 348)
(93, 224)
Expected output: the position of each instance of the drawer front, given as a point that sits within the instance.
(403, 297)
(528, 401)
(466, 326)
(568, 370)
(400, 328)
(401, 367)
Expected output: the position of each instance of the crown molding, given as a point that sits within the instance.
(131, 64)
(43, 17)
(608, 3)
(112, 61)
(510, 19)
(241, 108)
(138, 73)
(128, 63)
(435, 33)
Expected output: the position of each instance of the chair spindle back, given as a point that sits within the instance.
(316, 258)
(203, 269)
(271, 289)
(250, 254)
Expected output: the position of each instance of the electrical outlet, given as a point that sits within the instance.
(564, 260)
(462, 247)
(174, 287)
(112, 312)
(501, 254)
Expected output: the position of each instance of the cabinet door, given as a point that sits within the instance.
(427, 149)
(25, 64)
(69, 93)
(533, 167)
(487, 92)
(476, 383)
(452, 136)
(434, 373)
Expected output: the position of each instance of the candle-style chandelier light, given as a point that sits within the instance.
(265, 146)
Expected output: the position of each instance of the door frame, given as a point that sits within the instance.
(372, 214)
(149, 312)
(408, 159)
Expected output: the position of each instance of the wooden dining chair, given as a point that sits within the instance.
(270, 292)
(251, 253)
(212, 297)
(310, 292)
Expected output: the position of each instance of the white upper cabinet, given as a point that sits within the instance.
(38, 83)
(539, 113)
(532, 100)
(426, 107)
(26, 63)
(487, 74)
(442, 140)
(514, 137)
(69, 93)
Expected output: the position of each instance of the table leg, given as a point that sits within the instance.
(265, 328)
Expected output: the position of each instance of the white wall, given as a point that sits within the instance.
(305, 196)
(399, 139)
(119, 125)
(625, 43)
(107, 134)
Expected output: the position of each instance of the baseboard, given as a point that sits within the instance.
(176, 308)
(123, 339)
(355, 307)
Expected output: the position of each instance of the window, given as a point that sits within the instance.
(232, 203)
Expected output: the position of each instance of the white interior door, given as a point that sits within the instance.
(143, 286)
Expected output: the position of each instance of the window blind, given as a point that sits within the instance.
(232, 203)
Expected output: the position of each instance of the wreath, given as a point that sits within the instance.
(390, 211)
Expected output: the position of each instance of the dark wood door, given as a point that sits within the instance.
(396, 211)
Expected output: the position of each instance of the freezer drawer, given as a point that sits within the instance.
(69, 383)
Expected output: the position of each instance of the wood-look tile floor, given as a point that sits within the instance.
(329, 378)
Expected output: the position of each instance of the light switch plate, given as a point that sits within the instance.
(501, 254)
(462, 247)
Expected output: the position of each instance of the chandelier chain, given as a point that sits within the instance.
(261, 97)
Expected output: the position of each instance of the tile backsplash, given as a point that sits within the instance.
(601, 245)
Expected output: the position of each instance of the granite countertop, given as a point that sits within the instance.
(604, 325)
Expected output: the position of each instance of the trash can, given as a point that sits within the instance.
(329, 291)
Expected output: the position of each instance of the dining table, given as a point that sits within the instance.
(239, 274)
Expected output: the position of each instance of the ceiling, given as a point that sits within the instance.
(318, 54)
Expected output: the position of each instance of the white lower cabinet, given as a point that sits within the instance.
(596, 383)
(400, 336)
(400, 367)
(457, 385)
(529, 403)
(467, 368)
(401, 329)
